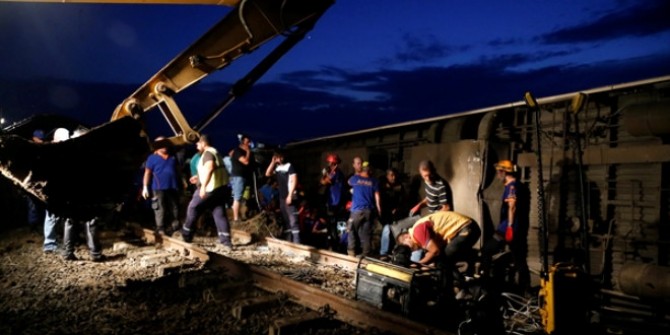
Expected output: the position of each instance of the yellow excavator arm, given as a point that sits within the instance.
(247, 27)
(250, 24)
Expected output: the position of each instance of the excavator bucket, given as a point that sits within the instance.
(82, 177)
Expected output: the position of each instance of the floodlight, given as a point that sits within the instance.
(530, 100)
(577, 102)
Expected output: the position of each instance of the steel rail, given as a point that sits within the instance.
(352, 312)
(318, 256)
(190, 250)
(356, 313)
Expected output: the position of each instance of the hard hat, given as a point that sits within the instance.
(61, 134)
(333, 158)
(505, 165)
(38, 133)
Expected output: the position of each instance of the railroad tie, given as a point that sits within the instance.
(296, 324)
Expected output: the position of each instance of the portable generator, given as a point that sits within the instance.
(409, 291)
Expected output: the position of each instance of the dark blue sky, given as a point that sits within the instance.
(366, 63)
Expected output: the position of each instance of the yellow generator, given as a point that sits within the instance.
(409, 291)
(565, 299)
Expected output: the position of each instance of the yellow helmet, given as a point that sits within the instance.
(505, 165)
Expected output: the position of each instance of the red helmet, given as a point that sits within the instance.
(333, 158)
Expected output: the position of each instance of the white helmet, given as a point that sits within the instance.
(61, 134)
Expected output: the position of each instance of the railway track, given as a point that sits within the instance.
(281, 285)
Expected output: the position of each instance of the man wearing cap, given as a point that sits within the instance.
(162, 179)
(513, 227)
(364, 201)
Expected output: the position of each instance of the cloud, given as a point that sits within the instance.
(283, 111)
(421, 49)
(644, 18)
(500, 42)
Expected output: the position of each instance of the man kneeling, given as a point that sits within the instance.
(445, 236)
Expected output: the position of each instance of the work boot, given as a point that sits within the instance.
(173, 230)
(225, 241)
(69, 256)
(50, 250)
(186, 237)
(98, 258)
(226, 247)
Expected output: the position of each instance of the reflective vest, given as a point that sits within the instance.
(446, 224)
(219, 175)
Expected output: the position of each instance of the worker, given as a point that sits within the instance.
(436, 198)
(211, 194)
(392, 194)
(365, 206)
(50, 244)
(242, 159)
(287, 179)
(333, 179)
(512, 230)
(162, 179)
(444, 236)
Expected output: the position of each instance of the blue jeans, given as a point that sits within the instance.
(389, 233)
(92, 239)
(387, 242)
(50, 221)
(237, 184)
(35, 212)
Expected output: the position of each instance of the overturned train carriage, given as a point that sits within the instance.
(604, 167)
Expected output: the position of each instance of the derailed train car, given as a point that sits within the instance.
(603, 202)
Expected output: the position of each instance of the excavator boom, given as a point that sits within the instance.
(246, 28)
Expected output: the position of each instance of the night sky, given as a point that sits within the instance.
(367, 62)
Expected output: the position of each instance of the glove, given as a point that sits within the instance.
(509, 234)
(145, 192)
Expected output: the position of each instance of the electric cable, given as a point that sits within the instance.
(521, 315)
